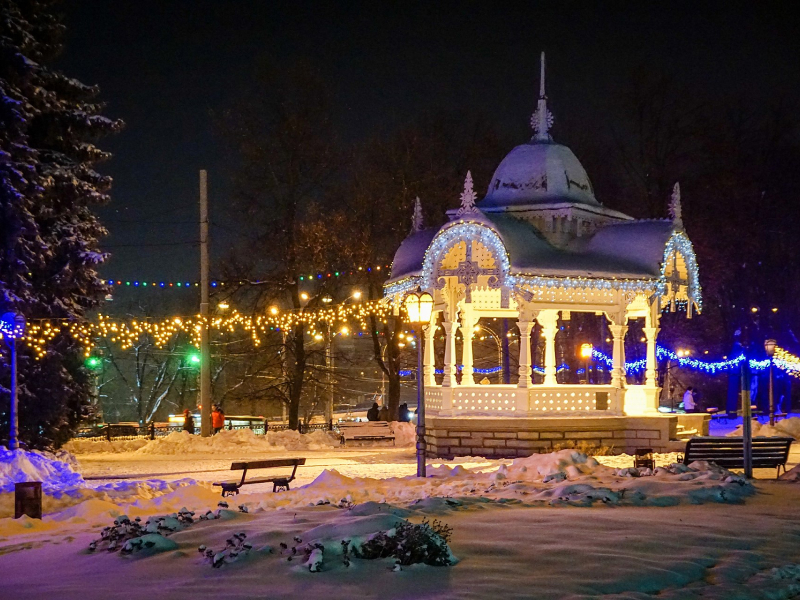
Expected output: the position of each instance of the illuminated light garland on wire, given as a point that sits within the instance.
(320, 321)
(126, 333)
(783, 360)
(141, 284)
(688, 362)
(786, 361)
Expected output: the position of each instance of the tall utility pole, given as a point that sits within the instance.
(205, 346)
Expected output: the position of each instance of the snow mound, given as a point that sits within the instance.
(331, 478)
(17, 466)
(570, 463)
(239, 442)
(566, 477)
(101, 445)
(405, 434)
(792, 474)
(786, 428)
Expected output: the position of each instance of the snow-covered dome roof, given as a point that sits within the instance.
(538, 172)
(541, 171)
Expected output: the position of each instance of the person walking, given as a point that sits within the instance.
(372, 413)
(217, 419)
(188, 421)
(688, 400)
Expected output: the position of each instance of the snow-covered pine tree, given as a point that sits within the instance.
(49, 234)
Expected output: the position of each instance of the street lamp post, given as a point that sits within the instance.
(586, 354)
(769, 346)
(419, 306)
(12, 326)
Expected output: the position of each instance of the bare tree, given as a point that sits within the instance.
(285, 145)
(147, 373)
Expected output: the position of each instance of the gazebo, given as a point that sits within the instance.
(539, 244)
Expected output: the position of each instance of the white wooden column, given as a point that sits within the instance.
(467, 328)
(618, 327)
(525, 327)
(651, 334)
(429, 363)
(449, 379)
(651, 330)
(548, 319)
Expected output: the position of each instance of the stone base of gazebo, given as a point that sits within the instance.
(502, 437)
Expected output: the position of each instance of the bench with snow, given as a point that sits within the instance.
(365, 431)
(229, 488)
(728, 452)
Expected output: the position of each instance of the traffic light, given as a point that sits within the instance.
(92, 362)
(193, 358)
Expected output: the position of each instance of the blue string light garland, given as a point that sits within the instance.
(637, 366)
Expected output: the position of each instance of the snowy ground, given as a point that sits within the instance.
(549, 526)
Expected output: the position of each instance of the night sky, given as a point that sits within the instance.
(164, 66)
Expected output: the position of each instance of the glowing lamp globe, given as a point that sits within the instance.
(419, 306)
(586, 350)
(12, 325)
(769, 346)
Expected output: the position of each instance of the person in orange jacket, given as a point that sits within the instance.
(217, 419)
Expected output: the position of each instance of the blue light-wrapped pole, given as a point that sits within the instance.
(13, 434)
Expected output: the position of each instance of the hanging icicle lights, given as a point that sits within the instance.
(126, 333)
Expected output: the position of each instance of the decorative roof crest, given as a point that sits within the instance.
(468, 197)
(542, 119)
(675, 211)
(416, 218)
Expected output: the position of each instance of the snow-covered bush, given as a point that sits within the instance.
(235, 546)
(130, 536)
(410, 544)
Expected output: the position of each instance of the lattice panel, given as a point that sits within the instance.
(487, 401)
(433, 399)
(566, 401)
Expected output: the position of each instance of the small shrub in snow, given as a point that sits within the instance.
(131, 536)
(410, 544)
(311, 554)
(236, 546)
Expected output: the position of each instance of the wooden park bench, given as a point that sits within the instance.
(230, 488)
(728, 452)
(365, 431)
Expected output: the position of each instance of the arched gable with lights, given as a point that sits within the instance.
(471, 254)
(680, 275)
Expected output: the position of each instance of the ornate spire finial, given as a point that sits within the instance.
(541, 76)
(468, 197)
(675, 206)
(416, 219)
(542, 119)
